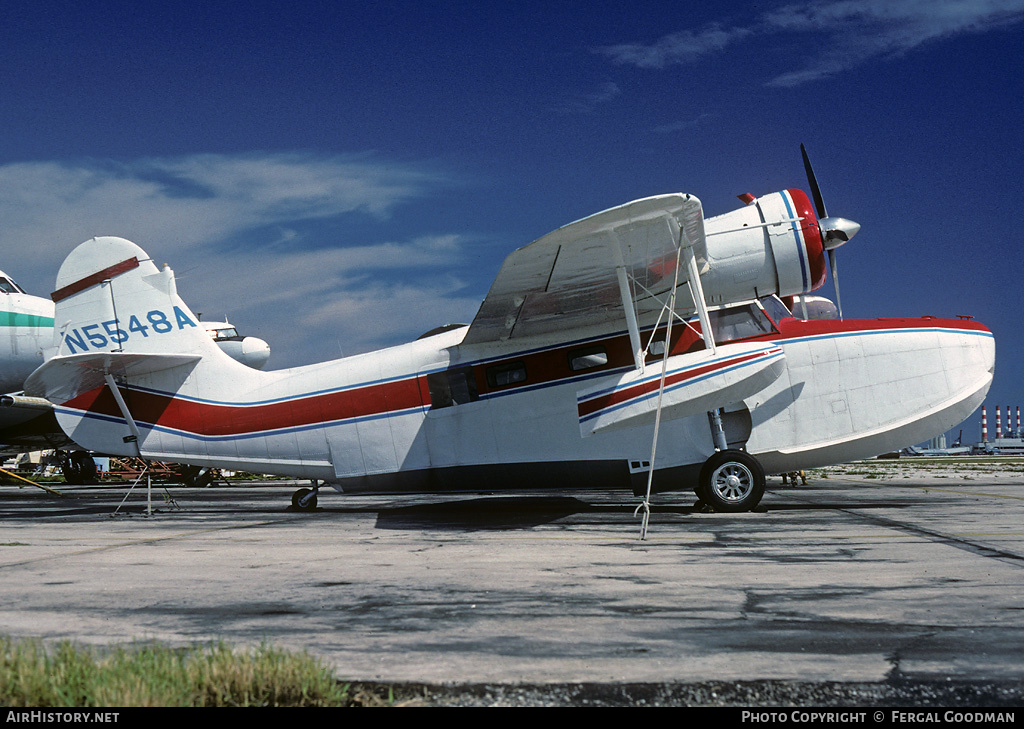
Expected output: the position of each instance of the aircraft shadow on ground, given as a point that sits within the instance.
(496, 513)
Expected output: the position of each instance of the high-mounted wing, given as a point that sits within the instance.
(573, 278)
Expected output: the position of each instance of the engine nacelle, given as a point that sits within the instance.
(773, 245)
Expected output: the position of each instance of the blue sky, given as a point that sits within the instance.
(335, 177)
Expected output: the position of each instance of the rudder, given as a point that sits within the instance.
(110, 297)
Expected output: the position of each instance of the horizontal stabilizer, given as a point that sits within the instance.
(61, 379)
(694, 383)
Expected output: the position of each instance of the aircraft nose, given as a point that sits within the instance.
(255, 352)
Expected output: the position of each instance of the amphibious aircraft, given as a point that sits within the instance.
(642, 347)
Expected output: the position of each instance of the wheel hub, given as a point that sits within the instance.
(732, 482)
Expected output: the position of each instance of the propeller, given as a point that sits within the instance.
(834, 231)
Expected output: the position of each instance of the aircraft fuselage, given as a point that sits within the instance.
(434, 415)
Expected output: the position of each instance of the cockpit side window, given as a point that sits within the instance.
(9, 287)
(739, 322)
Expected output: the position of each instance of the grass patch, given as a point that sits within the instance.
(153, 675)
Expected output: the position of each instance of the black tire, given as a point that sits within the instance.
(196, 476)
(70, 471)
(731, 481)
(304, 500)
(85, 465)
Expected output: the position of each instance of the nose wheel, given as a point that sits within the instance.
(731, 481)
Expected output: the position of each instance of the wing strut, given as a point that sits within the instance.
(631, 323)
(694, 228)
(698, 297)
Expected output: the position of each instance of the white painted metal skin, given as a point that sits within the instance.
(399, 419)
(26, 329)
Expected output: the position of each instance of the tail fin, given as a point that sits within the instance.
(110, 297)
(118, 324)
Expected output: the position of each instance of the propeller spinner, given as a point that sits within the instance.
(834, 231)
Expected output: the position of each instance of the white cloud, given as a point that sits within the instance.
(48, 207)
(682, 125)
(308, 298)
(684, 46)
(848, 32)
(314, 306)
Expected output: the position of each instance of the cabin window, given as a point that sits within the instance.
(504, 375)
(584, 359)
(740, 322)
(656, 349)
(452, 387)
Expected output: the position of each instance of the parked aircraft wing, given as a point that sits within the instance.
(570, 279)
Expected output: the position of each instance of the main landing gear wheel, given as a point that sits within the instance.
(78, 467)
(731, 481)
(304, 500)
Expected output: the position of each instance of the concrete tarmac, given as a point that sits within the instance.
(860, 575)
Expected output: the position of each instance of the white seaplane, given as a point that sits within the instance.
(643, 347)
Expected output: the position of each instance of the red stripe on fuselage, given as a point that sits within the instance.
(793, 328)
(212, 419)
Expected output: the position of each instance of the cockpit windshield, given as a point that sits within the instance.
(9, 287)
(774, 307)
(223, 335)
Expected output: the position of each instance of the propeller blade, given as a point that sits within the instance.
(835, 279)
(819, 203)
(834, 231)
